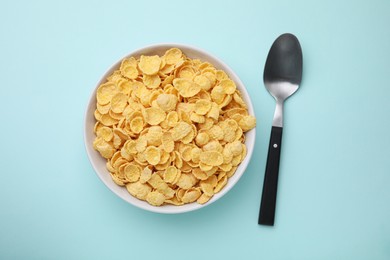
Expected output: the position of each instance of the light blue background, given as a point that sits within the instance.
(334, 189)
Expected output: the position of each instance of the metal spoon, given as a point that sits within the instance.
(282, 76)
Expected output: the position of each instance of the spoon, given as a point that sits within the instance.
(282, 76)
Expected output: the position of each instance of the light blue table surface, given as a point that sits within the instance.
(334, 186)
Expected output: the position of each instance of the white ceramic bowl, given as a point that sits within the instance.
(99, 163)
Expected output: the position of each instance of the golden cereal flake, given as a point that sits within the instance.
(149, 65)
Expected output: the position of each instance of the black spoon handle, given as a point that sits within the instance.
(270, 186)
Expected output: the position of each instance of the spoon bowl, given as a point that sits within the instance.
(283, 71)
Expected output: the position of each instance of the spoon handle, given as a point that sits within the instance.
(270, 186)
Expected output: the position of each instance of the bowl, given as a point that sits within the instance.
(99, 163)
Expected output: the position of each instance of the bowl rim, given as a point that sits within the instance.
(186, 207)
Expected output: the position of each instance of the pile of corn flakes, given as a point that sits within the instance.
(171, 128)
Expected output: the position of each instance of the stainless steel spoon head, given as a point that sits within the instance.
(283, 68)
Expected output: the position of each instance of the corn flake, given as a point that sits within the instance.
(149, 65)
(247, 123)
(203, 82)
(170, 174)
(129, 71)
(152, 155)
(154, 116)
(118, 102)
(138, 189)
(202, 139)
(191, 195)
(155, 198)
(202, 106)
(105, 132)
(185, 181)
(167, 142)
(137, 125)
(212, 158)
(228, 86)
(105, 93)
(166, 102)
(181, 130)
(146, 174)
(173, 56)
(203, 199)
(186, 87)
(152, 81)
(132, 172)
(103, 109)
(172, 118)
(221, 183)
(214, 111)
